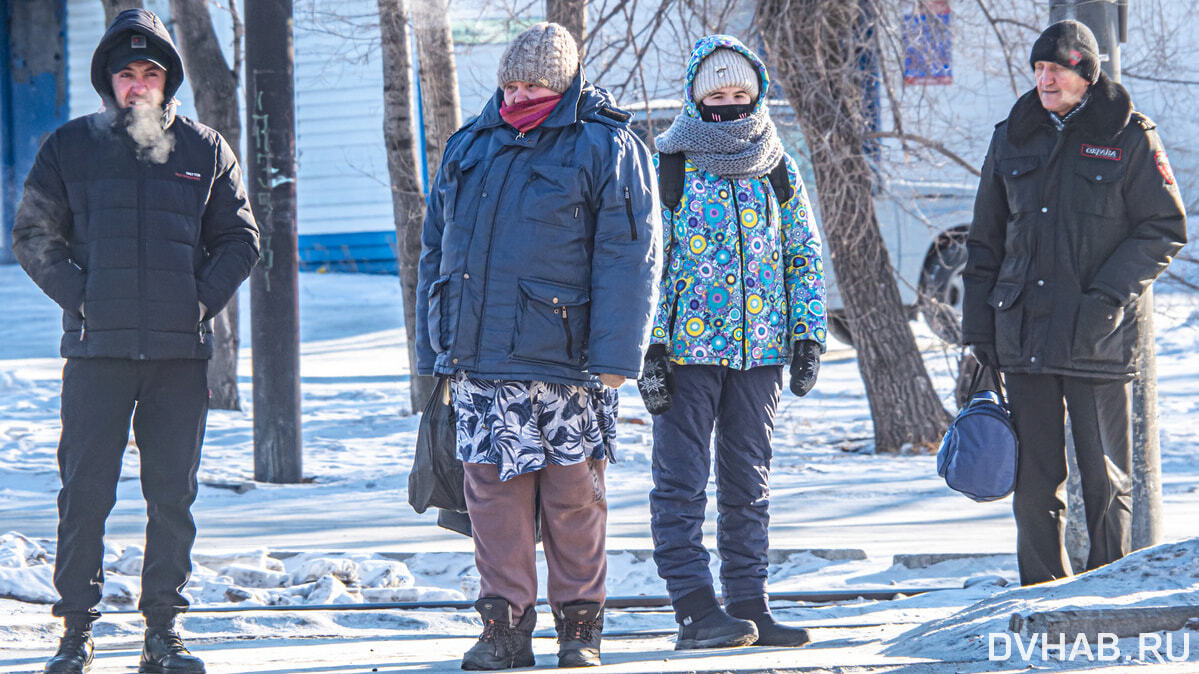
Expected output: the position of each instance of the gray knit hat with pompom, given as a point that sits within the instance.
(544, 54)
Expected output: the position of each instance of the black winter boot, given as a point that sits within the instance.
(74, 654)
(502, 644)
(770, 631)
(579, 626)
(703, 624)
(164, 653)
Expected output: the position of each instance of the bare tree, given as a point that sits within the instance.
(114, 7)
(403, 164)
(214, 88)
(572, 14)
(442, 110)
(815, 47)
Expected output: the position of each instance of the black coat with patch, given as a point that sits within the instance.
(139, 244)
(1070, 228)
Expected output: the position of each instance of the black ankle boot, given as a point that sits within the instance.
(770, 631)
(579, 626)
(502, 644)
(164, 653)
(703, 624)
(74, 654)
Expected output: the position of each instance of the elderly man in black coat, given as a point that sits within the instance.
(136, 222)
(1077, 213)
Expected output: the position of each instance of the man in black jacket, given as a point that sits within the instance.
(1077, 213)
(136, 222)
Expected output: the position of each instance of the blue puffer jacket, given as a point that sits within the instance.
(540, 251)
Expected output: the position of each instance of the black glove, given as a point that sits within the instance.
(657, 380)
(805, 365)
(985, 354)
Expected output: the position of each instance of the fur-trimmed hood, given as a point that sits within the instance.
(1105, 115)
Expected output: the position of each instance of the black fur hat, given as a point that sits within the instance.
(1069, 44)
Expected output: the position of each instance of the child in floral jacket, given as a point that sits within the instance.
(742, 295)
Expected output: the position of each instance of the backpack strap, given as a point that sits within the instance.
(671, 169)
(670, 178)
(781, 182)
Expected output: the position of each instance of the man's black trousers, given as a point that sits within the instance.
(167, 401)
(1100, 416)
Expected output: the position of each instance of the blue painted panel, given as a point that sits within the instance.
(363, 252)
(33, 106)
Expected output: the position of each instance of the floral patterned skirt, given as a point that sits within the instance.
(523, 426)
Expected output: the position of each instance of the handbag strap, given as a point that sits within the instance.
(996, 382)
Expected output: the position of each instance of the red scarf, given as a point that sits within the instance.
(527, 115)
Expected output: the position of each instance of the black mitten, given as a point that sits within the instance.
(805, 366)
(657, 380)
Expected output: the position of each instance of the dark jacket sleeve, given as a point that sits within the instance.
(42, 229)
(428, 271)
(984, 252)
(1156, 221)
(626, 263)
(229, 234)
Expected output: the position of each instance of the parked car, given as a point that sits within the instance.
(924, 227)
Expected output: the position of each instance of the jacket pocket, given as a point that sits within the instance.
(451, 186)
(1023, 192)
(552, 323)
(434, 316)
(1097, 187)
(1096, 331)
(1008, 323)
(553, 195)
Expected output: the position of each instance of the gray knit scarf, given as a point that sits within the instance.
(742, 148)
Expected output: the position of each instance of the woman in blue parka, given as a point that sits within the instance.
(536, 290)
(742, 296)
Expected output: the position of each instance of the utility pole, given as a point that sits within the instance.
(1108, 20)
(274, 303)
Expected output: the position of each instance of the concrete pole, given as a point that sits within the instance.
(274, 297)
(1103, 17)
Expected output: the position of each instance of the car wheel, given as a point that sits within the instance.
(941, 287)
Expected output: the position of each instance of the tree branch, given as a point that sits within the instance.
(930, 144)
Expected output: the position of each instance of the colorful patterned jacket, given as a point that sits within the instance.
(743, 276)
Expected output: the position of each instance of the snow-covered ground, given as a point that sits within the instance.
(347, 535)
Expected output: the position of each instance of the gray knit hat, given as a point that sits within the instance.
(544, 54)
(724, 68)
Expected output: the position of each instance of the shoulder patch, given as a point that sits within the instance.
(1163, 166)
(613, 114)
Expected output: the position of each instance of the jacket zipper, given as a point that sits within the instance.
(561, 311)
(141, 260)
(674, 315)
(741, 256)
(628, 209)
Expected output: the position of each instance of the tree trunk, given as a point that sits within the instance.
(114, 7)
(403, 162)
(441, 107)
(813, 50)
(214, 87)
(572, 14)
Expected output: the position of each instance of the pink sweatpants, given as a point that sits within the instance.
(574, 516)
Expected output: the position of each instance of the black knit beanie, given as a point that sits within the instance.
(1069, 44)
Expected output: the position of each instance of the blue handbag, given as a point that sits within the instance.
(979, 453)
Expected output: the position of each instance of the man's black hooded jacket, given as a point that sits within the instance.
(138, 244)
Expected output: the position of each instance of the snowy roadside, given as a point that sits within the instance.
(361, 542)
